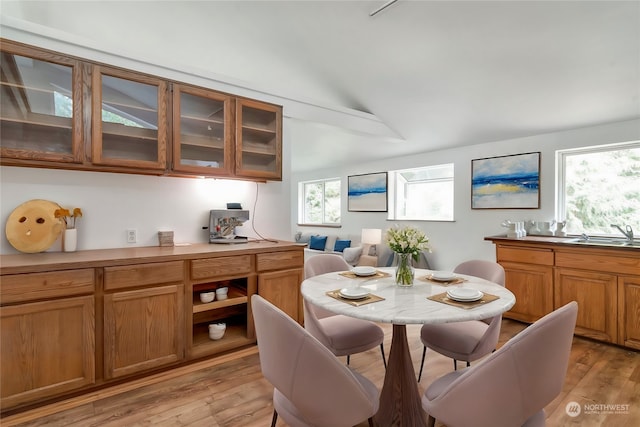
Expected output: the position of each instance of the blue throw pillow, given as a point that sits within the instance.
(318, 242)
(341, 244)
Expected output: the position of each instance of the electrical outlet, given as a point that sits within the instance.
(132, 235)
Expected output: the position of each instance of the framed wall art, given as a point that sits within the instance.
(367, 193)
(506, 182)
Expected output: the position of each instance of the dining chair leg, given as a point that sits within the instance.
(431, 422)
(384, 361)
(274, 418)
(455, 365)
(424, 352)
(348, 358)
(468, 363)
(370, 422)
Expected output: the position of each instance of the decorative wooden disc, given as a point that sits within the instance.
(32, 227)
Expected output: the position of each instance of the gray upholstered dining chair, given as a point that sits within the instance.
(468, 340)
(343, 335)
(513, 385)
(311, 386)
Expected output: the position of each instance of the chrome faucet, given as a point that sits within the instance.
(628, 232)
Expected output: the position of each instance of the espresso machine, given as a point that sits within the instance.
(223, 223)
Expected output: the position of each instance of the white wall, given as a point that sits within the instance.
(453, 242)
(112, 203)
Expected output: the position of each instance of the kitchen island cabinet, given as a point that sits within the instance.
(75, 322)
(546, 273)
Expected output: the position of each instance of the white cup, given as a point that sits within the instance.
(221, 293)
(207, 296)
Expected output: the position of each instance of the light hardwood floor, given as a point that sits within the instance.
(231, 391)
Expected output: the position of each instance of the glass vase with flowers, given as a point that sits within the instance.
(407, 242)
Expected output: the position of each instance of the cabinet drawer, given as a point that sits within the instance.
(34, 286)
(527, 256)
(599, 262)
(221, 266)
(280, 260)
(128, 276)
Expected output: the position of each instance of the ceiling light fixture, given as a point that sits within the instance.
(383, 7)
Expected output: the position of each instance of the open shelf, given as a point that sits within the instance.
(234, 311)
(235, 336)
(234, 297)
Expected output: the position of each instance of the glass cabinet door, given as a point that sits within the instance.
(41, 105)
(129, 118)
(201, 131)
(258, 140)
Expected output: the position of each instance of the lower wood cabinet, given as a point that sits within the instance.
(48, 348)
(143, 328)
(605, 282)
(596, 295)
(629, 311)
(282, 289)
(529, 275)
(533, 287)
(280, 276)
(67, 331)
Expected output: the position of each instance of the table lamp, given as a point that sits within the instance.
(370, 236)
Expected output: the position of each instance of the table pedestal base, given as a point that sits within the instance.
(400, 403)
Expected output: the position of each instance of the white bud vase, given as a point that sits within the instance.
(70, 240)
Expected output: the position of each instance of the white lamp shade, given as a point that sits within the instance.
(371, 236)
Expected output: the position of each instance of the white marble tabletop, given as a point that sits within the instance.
(401, 305)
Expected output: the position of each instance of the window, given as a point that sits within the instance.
(599, 186)
(320, 202)
(422, 193)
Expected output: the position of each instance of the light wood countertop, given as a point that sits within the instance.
(50, 261)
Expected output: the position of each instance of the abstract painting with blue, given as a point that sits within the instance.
(368, 193)
(506, 182)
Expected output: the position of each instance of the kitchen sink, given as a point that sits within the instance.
(604, 241)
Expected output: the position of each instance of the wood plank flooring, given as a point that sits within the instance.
(231, 392)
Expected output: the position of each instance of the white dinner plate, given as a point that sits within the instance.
(364, 271)
(443, 276)
(354, 293)
(464, 294)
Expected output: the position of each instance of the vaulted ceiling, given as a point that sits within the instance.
(427, 75)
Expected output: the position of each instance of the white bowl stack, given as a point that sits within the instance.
(206, 297)
(216, 330)
(221, 293)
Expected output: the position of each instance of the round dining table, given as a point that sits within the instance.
(424, 302)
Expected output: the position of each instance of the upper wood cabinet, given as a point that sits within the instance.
(41, 110)
(69, 113)
(202, 131)
(129, 119)
(258, 140)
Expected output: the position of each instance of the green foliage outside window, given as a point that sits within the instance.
(602, 188)
(322, 202)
